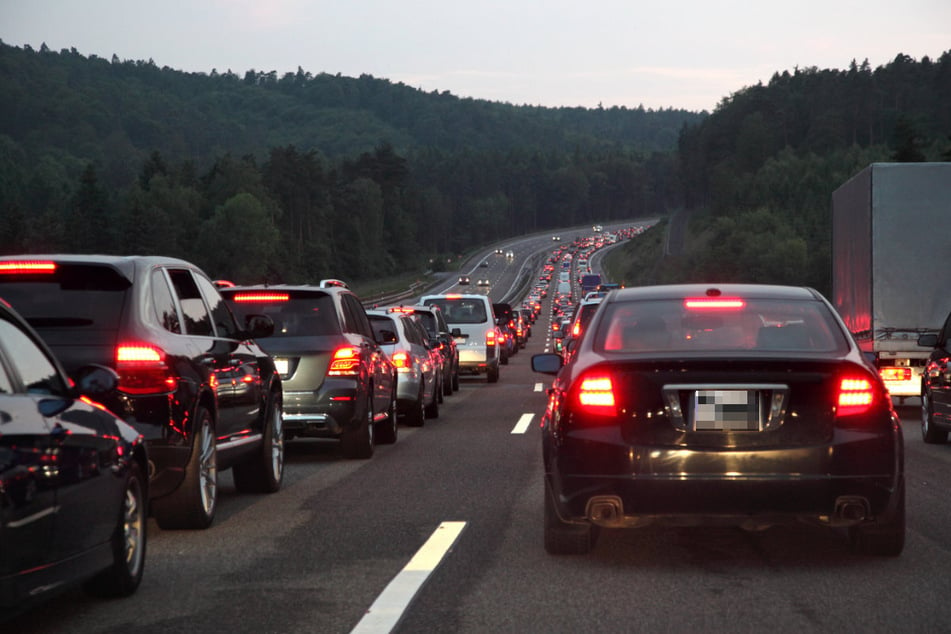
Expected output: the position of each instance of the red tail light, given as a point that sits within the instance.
(596, 395)
(401, 361)
(142, 370)
(345, 362)
(576, 329)
(490, 337)
(856, 395)
(713, 303)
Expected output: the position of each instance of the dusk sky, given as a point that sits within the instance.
(671, 53)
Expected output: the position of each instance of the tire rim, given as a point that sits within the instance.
(370, 425)
(208, 470)
(132, 527)
(277, 443)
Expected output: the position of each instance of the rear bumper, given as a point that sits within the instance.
(325, 413)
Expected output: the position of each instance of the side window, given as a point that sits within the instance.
(357, 321)
(38, 373)
(194, 311)
(220, 313)
(164, 303)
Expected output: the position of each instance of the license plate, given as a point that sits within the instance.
(282, 366)
(726, 410)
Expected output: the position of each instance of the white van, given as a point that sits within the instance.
(472, 322)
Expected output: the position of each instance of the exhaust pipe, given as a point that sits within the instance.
(849, 510)
(605, 510)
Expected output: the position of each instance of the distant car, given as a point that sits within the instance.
(936, 386)
(477, 335)
(73, 477)
(192, 381)
(498, 251)
(418, 380)
(338, 381)
(464, 280)
(440, 336)
(556, 238)
(483, 264)
(510, 255)
(484, 282)
(737, 404)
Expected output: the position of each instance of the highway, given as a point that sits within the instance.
(332, 551)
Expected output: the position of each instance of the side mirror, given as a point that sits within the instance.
(257, 326)
(96, 381)
(547, 363)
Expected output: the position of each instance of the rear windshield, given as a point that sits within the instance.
(429, 322)
(757, 325)
(76, 296)
(294, 314)
(460, 310)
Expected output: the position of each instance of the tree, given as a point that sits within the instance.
(89, 220)
(241, 225)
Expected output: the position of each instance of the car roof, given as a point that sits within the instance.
(125, 264)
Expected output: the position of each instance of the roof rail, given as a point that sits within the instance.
(331, 282)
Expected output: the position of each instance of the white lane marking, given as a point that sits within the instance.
(389, 607)
(522, 425)
(539, 387)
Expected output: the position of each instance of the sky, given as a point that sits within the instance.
(686, 54)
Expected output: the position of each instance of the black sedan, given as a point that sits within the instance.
(73, 478)
(737, 404)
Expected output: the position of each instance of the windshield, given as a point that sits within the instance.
(460, 310)
(307, 315)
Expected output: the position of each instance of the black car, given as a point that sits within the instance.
(746, 405)
(191, 380)
(73, 477)
(338, 382)
(440, 336)
(936, 386)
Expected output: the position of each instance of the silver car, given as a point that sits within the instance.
(404, 340)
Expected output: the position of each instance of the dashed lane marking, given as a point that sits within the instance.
(388, 609)
(522, 425)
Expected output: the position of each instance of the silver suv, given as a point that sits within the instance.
(472, 321)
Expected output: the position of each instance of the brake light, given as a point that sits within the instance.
(855, 396)
(401, 309)
(401, 361)
(261, 297)
(142, 370)
(345, 362)
(576, 329)
(596, 395)
(713, 303)
(895, 374)
(28, 266)
(490, 337)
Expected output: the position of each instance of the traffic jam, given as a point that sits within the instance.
(129, 384)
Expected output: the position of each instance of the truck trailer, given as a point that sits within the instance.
(891, 264)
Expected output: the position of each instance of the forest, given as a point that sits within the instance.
(294, 178)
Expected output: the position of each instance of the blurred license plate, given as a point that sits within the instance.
(726, 410)
(282, 366)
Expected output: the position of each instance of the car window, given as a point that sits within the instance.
(295, 314)
(220, 313)
(356, 317)
(163, 303)
(37, 372)
(412, 328)
(460, 310)
(197, 318)
(763, 325)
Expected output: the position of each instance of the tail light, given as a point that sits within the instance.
(576, 329)
(28, 266)
(261, 297)
(345, 362)
(895, 374)
(856, 395)
(142, 370)
(401, 361)
(596, 395)
(490, 337)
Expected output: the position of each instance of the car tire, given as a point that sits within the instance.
(455, 380)
(929, 433)
(123, 577)
(447, 388)
(432, 410)
(193, 504)
(492, 374)
(416, 416)
(440, 392)
(387, 430)
(886, 537)
(562, 538)
(265, 472)
(357, 442)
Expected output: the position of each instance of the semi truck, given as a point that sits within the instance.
(891, 264)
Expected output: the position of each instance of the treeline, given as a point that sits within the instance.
(302, 176)
(758, 174)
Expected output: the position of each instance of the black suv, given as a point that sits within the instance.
(338, 382)
(440, 336)
(191, 381)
